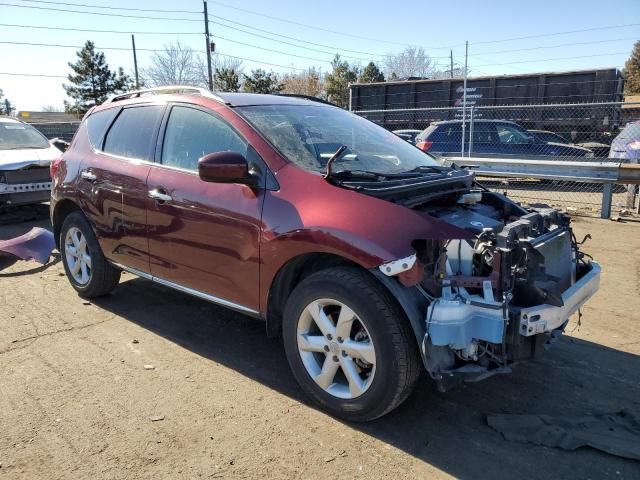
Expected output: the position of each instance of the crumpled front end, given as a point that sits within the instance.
(500, 297)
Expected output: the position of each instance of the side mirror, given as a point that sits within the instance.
(225, 167)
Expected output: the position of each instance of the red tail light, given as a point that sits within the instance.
(53, 168)
(424, 145)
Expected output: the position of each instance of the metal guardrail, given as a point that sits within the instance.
(607, 173)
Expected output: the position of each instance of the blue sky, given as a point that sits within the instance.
(372, 28)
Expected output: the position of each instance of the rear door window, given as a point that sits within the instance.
(97, 125)
(484, 132)
(133, 133)
(192, 134)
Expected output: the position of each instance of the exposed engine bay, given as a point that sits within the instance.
(498, 296)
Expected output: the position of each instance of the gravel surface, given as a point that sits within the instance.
(150, 383)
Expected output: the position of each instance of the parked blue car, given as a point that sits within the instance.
(626, 145)
(491, 137)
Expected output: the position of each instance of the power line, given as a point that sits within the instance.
(284, 36)
(236, 29)
(336, 49)
(192, 20)
(550, 59)
(96, 31)
(260, 61)
(274, 51)
(150, 50)
(16, 74)
(292, 38)
(172, 18)
(174, 33)
(593, 29)
(307, 25)
(298, 46)
(145, 17)
(155, 10)
(315, 27)
(552, 46)
(80, 46)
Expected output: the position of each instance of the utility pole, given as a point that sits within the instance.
(206, 34)
(135, 61)
(464, 97)
(451, 52)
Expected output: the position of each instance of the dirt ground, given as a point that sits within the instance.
(76, 400)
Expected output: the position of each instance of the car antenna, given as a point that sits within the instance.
(333, 158)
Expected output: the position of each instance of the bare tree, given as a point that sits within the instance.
(411, 62)
(225, 61)
(310, 82)
(227, 72)
(176, 65)
(458, 72)
(50, 108)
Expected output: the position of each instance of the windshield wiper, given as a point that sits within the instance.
(428, 168)
(333, 158)
(361, 174)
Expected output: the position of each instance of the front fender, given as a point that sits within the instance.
(310, 215)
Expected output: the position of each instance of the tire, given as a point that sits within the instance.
(385, 378)
(101, 277)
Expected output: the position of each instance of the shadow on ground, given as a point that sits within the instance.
(18, 221)
(447, 431)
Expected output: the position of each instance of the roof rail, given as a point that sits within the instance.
(165, 90)
(306, 97)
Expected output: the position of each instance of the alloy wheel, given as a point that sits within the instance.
(77, 256)
(336, 348)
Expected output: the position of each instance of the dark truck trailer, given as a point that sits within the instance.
(442, 99)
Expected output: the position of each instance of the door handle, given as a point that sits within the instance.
(86, 175)
(160, 196)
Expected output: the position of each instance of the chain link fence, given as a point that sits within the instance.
(63, 130)
(585, 132)
(588, 132)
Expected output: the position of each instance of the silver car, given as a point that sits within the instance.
(25, 156)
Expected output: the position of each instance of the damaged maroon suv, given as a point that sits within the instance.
(371, 260)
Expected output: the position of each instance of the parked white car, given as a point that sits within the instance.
(25, 156)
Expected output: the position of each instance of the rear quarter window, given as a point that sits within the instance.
(132, 134)
(97, 125)
(448, 132)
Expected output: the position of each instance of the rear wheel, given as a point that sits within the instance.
(349, 345)
(88, 271)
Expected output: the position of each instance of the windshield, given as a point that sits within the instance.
(550, 137)
(630, 132)
(15, 136)
(310, 135)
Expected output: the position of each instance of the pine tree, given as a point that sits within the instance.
(371, 74)
(261, 82)
(226, 80)
(632, 71)
(92, 82)
(337, 82)
(5, 105)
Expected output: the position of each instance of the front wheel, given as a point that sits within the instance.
(349, 345)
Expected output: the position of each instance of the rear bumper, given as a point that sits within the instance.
(546, 318)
